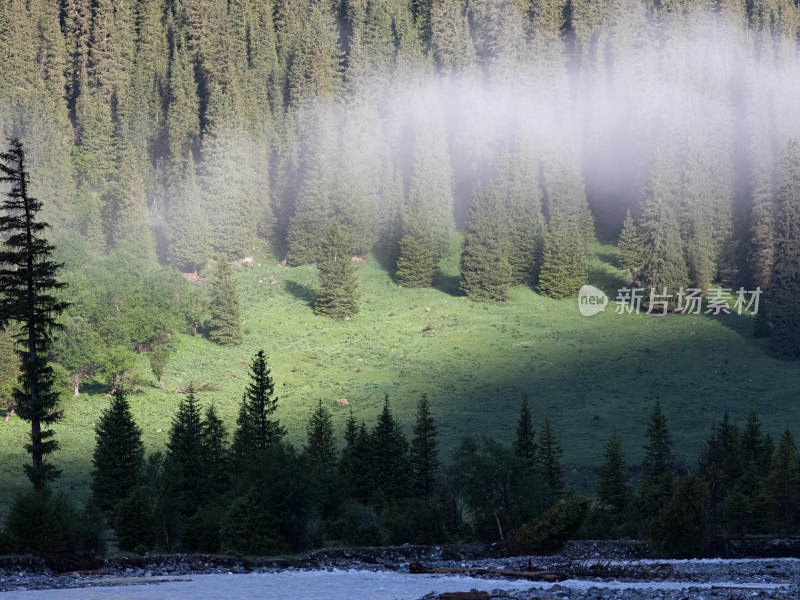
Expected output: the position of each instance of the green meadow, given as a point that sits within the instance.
(589, 375)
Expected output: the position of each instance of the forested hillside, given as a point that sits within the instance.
(170, 133)
(477, 149)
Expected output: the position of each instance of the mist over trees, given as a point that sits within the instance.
(190, 128)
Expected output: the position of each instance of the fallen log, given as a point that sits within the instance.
(464, 596)
(417, 568)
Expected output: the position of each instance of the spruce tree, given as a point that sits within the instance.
(658, 457)
(451, 43)
(629, 248)
(485, 272)
(548, 460)
(785, 333)
(720, 461)
(185, 452)
(214, 450)
(524, 444)
(416, 263)
(658, 469)
(355, 463)
(613, 489)
(390, 457)
(563, 269)
(337, 295)
(755, 450)
(226, 317)
(189, 246)
(320, 445)
(118, 455)
(783, 484)
(28, 287)
(527, 228)
(255, 431)
(424, 451)
(663, 265)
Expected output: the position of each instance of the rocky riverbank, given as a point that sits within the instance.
(593, 570)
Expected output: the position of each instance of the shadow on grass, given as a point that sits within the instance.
(449, 284)
(93, 388)
(301, 292)
(385, 258)
(606, 277)
(608, 255)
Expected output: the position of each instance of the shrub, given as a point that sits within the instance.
(134, 522)
(414, 521)
(249, 527)
(557, 525)
(48, 525)
(681, 528)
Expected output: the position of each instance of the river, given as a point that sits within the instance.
(312, 585)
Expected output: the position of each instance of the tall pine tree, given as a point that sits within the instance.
(548, 460)
(563, 269)
(226, 317)
(629, 248)
(320, 445)
(27, 286)
(785, 333)
(256, 432)
(424, 451)
(485, 272)
(337, 294)
(118, 455)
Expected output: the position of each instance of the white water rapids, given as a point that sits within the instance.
(321, 585)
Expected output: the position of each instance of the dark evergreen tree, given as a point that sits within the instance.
(320, 445)
(525, 445)
(548, 460)
(629, 248)
(424, 453)
(663, 265)
(27, 296)
(337, 294)
(450, 40)
(783, 485)
(563, 269)
(681, 528)
(255, 431)
(118, 455)
(416, 263)
(229, 175)
(226, 318)
(527, 228)
(613, 489)
(185, 452)
(189, 246)
(720, 463)
(355, 463)
(430, 197)
(755, 450)
(785, 333)
(658, 470)
(390, 457)
(658, 457)
(214, 450)
(485, 272)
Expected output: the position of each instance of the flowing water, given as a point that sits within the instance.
(316, 585)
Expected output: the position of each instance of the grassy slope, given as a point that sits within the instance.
(588, 374)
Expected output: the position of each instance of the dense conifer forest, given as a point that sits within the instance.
(166, 139)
